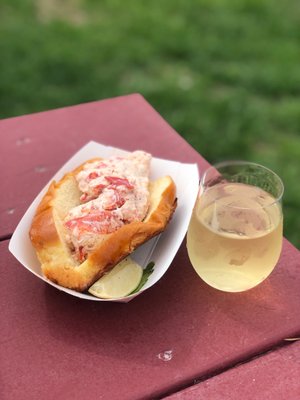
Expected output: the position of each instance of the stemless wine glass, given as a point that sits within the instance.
(234, 238)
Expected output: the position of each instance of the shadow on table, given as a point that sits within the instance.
(179, 312)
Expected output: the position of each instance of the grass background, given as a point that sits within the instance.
(225, 74)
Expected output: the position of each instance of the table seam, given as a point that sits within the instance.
(5, 237)
(196, 381)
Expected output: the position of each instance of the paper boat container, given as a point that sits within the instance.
(161, 250)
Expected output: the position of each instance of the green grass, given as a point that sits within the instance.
(225, 74)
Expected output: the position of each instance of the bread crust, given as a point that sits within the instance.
(54, 254)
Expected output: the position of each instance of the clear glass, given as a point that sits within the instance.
(234, 238)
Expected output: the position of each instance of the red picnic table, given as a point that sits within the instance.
(180, 339)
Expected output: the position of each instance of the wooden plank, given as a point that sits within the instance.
(34, 147)
(57, 346)
(274, 376)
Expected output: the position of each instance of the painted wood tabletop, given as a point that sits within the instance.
(57, 346)
(272, 376)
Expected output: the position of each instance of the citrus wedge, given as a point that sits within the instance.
(119, 282)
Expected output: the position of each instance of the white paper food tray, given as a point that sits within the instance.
(161, 250)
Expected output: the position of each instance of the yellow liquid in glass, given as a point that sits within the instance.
(235, 236)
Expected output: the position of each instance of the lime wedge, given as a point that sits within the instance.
(123, 279)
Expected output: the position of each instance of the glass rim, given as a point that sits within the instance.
(243, 162)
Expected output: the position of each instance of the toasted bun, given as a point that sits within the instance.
(48, 236)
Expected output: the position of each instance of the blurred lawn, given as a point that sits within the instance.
(225, 74)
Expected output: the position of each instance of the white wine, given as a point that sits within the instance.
(235, 236)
